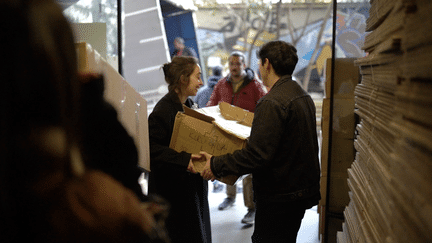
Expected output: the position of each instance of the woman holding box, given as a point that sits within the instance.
(172, 173)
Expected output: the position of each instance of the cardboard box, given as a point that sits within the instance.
(343, 124)
(130, 106)
(342, 152)
(216, 130)
(346, 77)
(338, 198)
(343, 133)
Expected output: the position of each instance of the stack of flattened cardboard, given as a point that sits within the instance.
(130, 106)
(391, 196)
(412, 157)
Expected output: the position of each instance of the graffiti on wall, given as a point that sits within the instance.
(350, 34)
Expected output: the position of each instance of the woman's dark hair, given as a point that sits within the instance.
(282, 56)
(176, 68)
(39, 65)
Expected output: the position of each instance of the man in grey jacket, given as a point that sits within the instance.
(205, 92)
(281, 153)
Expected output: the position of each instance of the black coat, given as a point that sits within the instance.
(282, 150)
(189, 216)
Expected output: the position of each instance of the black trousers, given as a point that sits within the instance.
(277, 222)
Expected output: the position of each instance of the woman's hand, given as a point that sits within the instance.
(191, 167)
(207, 173)
(199, 160)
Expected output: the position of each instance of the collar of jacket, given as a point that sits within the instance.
(281, 80)
(172, 95)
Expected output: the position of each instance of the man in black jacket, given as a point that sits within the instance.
(281, 153)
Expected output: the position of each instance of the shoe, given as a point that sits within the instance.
(228, 202)
(217, 187)
(249, 218)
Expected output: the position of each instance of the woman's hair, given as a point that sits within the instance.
(38, 64)
(176, 68)
(282, 56)
(39, 90)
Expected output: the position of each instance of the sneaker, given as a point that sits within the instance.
(249, 218)
(228, 202)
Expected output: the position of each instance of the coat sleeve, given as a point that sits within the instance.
(257, 154)
(161, 123)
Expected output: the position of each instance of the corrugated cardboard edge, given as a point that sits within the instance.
(231, 112)
(190, 112)
(228, 110)
(178, 118)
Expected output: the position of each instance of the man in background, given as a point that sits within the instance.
(182, 50)
(240, 88)
(205, 92)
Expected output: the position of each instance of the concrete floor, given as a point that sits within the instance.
(227, 227)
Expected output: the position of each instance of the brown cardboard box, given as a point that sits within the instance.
(195, 131)
(346, 77)
(343, 133)
(342, 153)
(338, 194)
(343, 124)
(325, 119)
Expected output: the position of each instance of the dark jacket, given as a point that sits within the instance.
(282, 151)
(205, 92)
(189, 216)
(246, 97)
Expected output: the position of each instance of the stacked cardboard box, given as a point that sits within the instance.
(130, 106)
(391, 196)
(342, 128)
